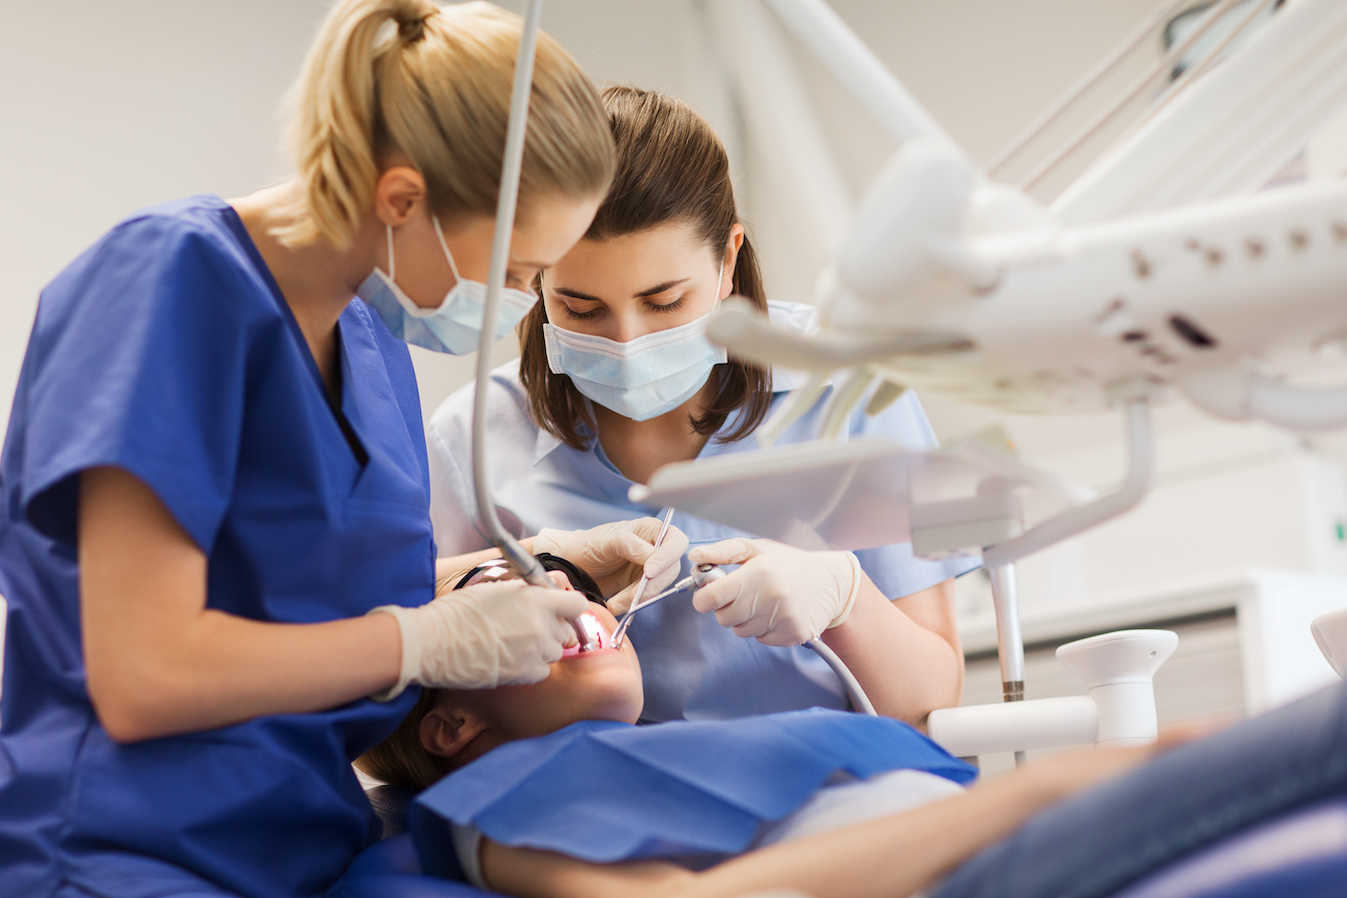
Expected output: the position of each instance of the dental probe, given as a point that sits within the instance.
(521, 561)
(704, 574)
(645, 578)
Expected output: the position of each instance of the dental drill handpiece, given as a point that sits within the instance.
(704, 574)
(506, 200)
(528, 568)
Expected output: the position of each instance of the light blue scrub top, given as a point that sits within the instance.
(693, 668)
(167, 350)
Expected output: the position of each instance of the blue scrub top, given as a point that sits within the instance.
(693, 667)
(167, 350)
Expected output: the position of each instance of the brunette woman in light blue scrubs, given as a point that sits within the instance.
(616, 378)
(215, 470)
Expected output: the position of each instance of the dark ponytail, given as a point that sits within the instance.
(671, 168)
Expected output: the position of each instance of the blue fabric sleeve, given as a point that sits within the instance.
(894, 569)
(139, 358)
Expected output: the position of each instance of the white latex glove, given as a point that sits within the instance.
(781, 595)
(617, 554)
(483, 636)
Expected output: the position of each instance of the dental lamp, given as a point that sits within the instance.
(1161, 270)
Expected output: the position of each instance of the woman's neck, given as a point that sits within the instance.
(316, 281)
(639, 448)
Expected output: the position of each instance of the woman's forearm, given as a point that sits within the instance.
(891, 857)
(888, 857)
(158, 662)
(909, 662)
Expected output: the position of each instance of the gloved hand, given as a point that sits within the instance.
(616, 555)
(781, 595)
(483, 636)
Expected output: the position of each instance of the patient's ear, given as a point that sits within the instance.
(447, 729)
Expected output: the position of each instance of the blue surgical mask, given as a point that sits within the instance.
(642, 378)
(455, 325)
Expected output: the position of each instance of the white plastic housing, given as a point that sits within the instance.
(1014, 726)
(1119, 668)
(1330, 634)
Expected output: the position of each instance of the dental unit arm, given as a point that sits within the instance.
(1157, 272)
(519, 559)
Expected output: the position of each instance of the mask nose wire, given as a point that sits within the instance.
(444, 246)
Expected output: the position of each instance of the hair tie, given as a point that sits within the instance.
(413, 30)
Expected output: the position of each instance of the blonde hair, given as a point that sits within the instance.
(433, 84)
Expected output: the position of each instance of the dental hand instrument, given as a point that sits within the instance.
(704, 574)
(645, 578)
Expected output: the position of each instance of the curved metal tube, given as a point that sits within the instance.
(521, 560)
(858, 696)
(1079, 519)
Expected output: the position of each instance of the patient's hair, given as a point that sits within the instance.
(671, 169)
(401, 759)
(432, 83)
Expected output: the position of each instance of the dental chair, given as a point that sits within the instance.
(1301, 853)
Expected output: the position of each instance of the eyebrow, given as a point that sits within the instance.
(653, 291)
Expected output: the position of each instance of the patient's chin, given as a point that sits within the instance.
(617, 696)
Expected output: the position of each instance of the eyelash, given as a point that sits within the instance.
(581, 316)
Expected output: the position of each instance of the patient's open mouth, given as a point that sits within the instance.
(599, 636)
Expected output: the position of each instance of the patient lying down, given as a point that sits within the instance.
(549, 790)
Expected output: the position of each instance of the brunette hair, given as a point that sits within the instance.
(433, 84)
(671, 168)
(401, 760)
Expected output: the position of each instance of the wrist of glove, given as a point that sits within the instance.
(482, 636)
(617, 555)
(780, 595)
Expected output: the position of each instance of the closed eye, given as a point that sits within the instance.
(667, 307)
(573, 315)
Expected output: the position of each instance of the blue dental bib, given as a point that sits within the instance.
(605, 791)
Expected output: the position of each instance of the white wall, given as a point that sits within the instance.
(110, 107)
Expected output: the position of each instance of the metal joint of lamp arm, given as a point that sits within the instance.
(1135, 397)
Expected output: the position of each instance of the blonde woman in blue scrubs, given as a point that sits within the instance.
(616, 379)
(215, 472)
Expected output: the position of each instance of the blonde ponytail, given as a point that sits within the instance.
(433, 84)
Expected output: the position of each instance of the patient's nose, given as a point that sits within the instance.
(561, 580)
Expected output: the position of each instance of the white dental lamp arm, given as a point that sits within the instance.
(1077, 520)
(1241, 392)
(857, 67)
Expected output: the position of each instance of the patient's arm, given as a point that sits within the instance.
(889, 857)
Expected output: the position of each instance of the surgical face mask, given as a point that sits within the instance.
(455, 325)
(642, 378)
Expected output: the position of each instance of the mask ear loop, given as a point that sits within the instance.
(392, 266)
(444, 246)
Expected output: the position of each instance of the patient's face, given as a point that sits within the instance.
(604, 684)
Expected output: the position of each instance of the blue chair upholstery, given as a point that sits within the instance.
(391, 869)
(1302, 854)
